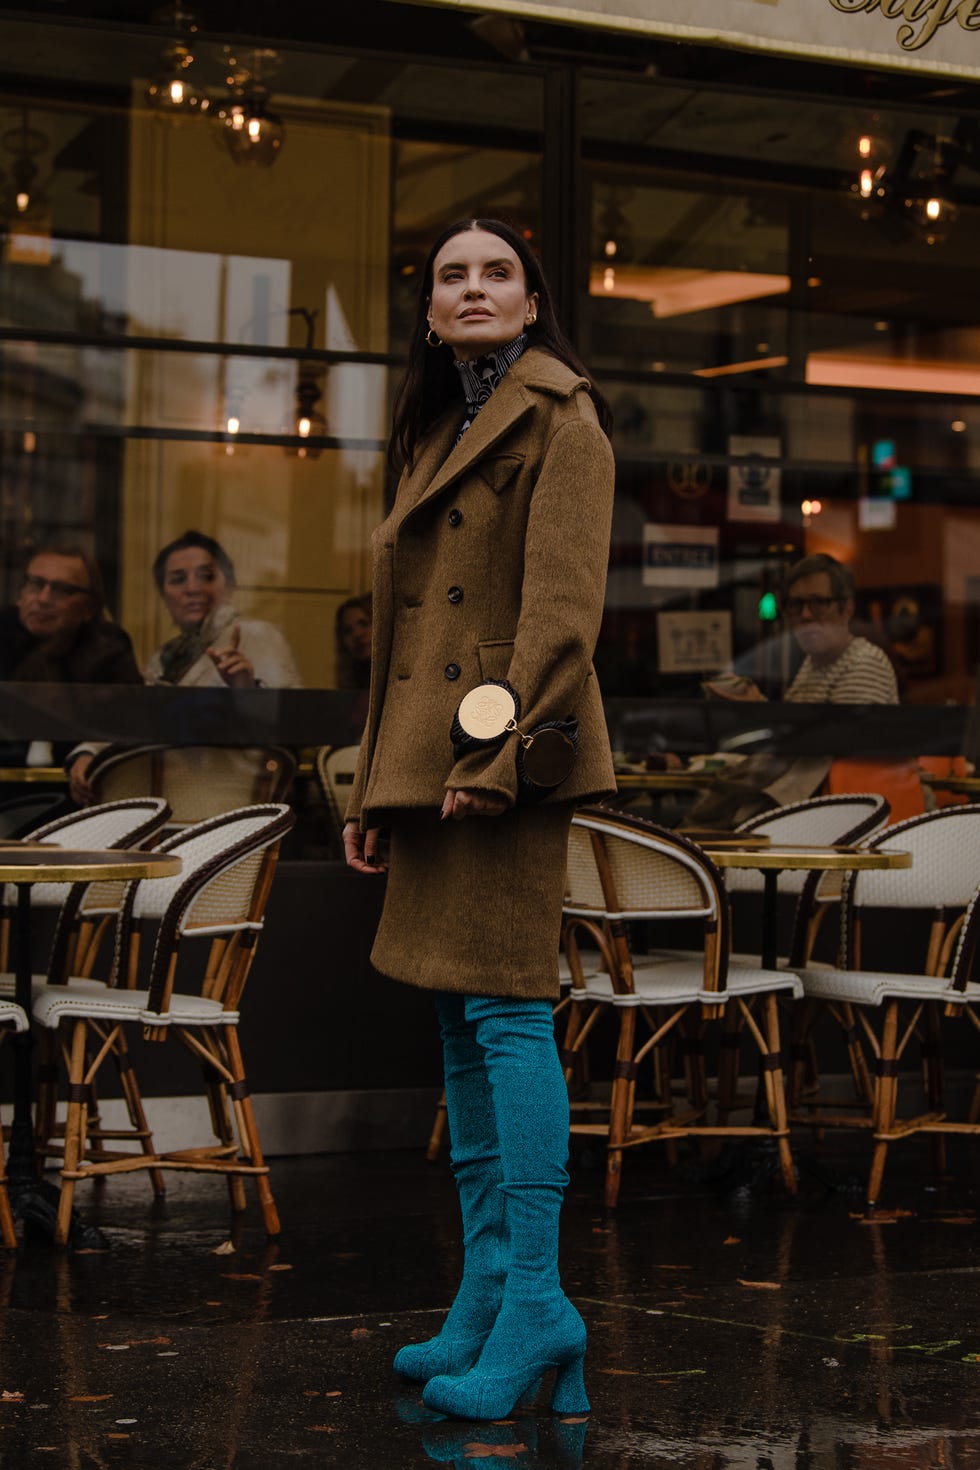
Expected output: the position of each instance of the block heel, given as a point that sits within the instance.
(569, 1396)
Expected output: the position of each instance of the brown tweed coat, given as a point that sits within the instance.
(491, 565)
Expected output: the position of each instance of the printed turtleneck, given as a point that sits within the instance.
(481, 376)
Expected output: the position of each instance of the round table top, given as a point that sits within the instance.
(42, 863)
(33, 773)
(966, 785)
(783, 856)
(663, 780)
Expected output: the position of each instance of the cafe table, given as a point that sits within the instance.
(959, 785)
(50, 775)
(778, 858)
(23, 865)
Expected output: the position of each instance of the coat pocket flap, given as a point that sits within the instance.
(495, 657)
(500, 471)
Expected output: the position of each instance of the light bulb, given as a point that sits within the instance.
(254, 128)
(866, 183)
(303, 428)
(233, 425)
(934, 208)
(176, 91)
(806, 507)
(23, 201)
(608, 279)
(816, 506)
(610, 247)
(864, 146)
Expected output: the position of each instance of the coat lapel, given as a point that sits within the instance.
(504, 409)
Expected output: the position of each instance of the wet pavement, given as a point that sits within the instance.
(727, 1329)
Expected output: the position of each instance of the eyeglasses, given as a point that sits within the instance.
(815, 606)
(60, 591)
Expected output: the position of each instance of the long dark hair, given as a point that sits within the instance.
(431, 381)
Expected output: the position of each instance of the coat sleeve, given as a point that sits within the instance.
(566, 557)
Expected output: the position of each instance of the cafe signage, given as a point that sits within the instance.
(940, 36)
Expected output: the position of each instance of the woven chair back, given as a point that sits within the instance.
(334, 766)
(198, 781)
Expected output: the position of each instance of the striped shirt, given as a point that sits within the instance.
(863, 674)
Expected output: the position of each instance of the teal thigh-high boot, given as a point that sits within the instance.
(475, 1160)
(537, 1328)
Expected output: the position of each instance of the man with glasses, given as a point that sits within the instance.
(57, 631)
(838, 667)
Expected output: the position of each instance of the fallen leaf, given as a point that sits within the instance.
(477, 1451)
(574, 1419)
(282, 1267)
(333, 1393)
(761, 1285)
(103, 1317)
(214, 1304)
(361, 1332)
(732, 1240)
(311, 1393)
(226, 1248)
(119, 1435)
(89, 1398)
(325, 1428)
(11, 1396)
(240, 1276)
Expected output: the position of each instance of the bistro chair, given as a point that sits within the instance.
(890, 1011)
(198, 781)
(823, 821)
(334, 766)
(135, 822)
(621, 869)
(219, 896)
(12, 1018)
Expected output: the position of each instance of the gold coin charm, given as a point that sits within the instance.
(487, 712)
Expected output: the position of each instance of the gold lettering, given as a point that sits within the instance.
(933, 14)
(921, 18)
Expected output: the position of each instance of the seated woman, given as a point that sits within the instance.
(213, 645)
(352, 635)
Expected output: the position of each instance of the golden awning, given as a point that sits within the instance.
(936, 36)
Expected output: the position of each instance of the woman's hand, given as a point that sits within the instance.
(78, 782)
(460, 804)
(362, 849)
(232, 664)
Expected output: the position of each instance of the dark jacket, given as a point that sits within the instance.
(98, 653)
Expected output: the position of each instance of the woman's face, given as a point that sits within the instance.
(479, 296)
(193, 585)
(355, 633)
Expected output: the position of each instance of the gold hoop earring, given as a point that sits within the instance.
(432, 338)
(530, 321)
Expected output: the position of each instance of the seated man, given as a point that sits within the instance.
(57, 631)
(837, 668)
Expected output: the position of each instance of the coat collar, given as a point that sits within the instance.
(441, 462)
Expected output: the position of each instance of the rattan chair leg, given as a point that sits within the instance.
(134, 1107)
(620, 1109)
(7, 1233)
(886, 1101)
(74, 1131)
(777, 1093)
(438, 1130)
(250, 1134)
(932, 1060)
(855, 1055)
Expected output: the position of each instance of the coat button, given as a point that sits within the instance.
(455, 594)
(452, 671)
(455, 516)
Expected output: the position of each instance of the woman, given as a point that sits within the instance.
(489, 576)
(352, 637)
(213, 644)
